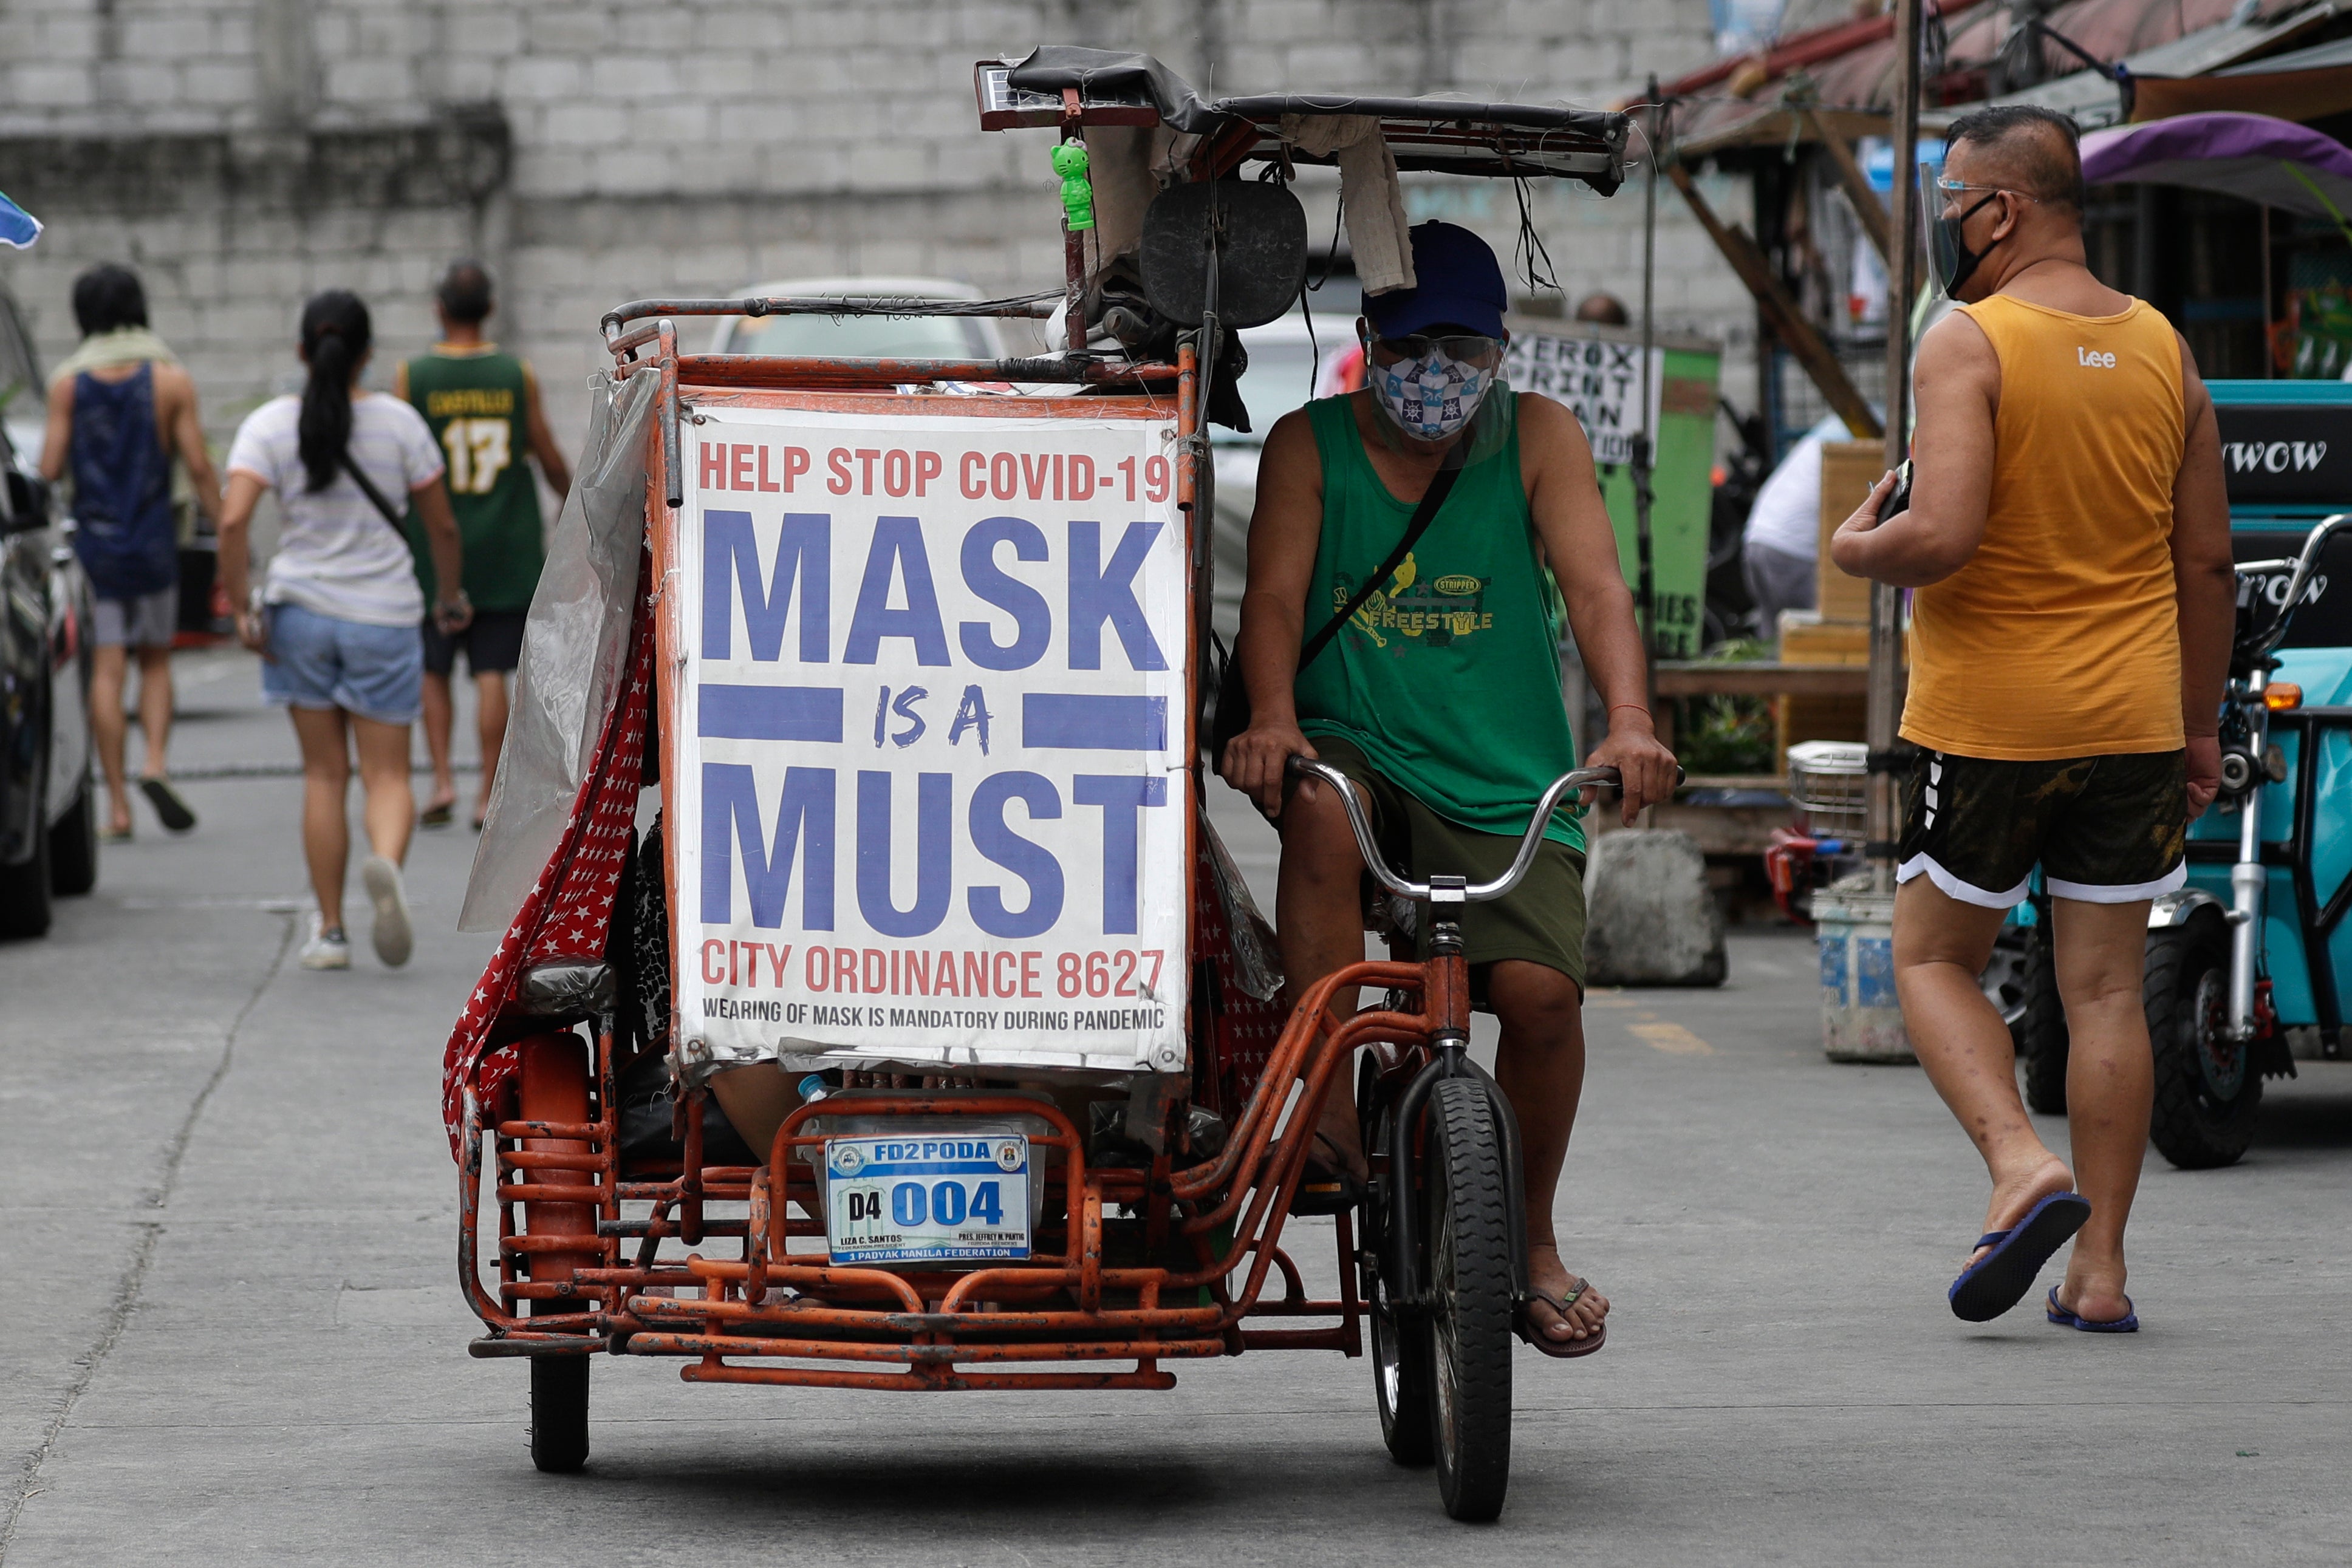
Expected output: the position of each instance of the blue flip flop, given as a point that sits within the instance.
(1999, 1281)
(2127, 1324)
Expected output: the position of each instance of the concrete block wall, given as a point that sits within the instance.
(678, 147)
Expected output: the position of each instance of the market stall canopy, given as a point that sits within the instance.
(1059, 83)
(1845, 71)
(2302, 84)
(2154, 76)
(2256, 156)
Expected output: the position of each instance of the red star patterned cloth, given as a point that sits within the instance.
(570, 908)
(1241, 1031)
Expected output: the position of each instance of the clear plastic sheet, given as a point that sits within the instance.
(571, 653)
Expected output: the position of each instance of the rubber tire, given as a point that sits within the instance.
(24, 890)
(1401, 1371)
(73, 845)
(558, 1414)
(2190, 1126)
(1473, 1287)
(2040, 1033)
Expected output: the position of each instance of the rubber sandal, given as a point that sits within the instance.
(1559, 1349)
(112, 836)
(172, 811)
(1999, 1281)
(436, 816)
(2127, 1324)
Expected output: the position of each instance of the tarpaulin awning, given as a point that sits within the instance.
(2257, 156)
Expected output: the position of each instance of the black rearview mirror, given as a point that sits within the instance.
(1256, 232)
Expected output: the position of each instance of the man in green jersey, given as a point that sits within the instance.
(1441, 696)
(484, 410)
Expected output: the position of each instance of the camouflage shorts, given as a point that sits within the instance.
(2105, 830)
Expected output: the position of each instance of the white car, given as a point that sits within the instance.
(1286, 367)
(864, 337)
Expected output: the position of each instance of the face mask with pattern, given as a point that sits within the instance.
(1431, 397)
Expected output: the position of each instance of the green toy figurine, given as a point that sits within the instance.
(1077, 196)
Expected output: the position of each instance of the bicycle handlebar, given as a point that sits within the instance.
(1474, 892)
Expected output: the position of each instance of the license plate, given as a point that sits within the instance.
(927, 1198)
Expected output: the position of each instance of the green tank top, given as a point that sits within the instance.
(1448, 680)
(475, 404)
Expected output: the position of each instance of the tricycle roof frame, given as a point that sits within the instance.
(1068, 87)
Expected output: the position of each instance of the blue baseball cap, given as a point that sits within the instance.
(1457, 282)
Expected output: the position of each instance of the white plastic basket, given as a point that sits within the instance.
(1829, 781)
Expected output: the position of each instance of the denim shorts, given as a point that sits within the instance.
(321, 662)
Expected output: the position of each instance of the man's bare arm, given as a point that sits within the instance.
(1580, 546)
(1956, 383)
(187, 430)
(2204, 580)
(1285, 527)
(543, 439)
(56, 436)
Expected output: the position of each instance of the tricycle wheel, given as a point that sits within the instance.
(2040, 1028)
(559, 1413)
(1472, 1287)
(1402, 1372)
(2208, 1092)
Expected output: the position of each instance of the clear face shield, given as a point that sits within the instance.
(1945, 205)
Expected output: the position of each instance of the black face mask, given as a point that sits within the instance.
(1954, 260)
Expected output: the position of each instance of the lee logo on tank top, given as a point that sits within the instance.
(2093, 357)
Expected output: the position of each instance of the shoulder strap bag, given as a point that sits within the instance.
(392, 513)
(1231, 716)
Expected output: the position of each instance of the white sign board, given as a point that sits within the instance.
(930, 803)
(1600, 380)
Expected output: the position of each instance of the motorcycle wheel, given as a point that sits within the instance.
(2040, 1027)
(2208, 1093)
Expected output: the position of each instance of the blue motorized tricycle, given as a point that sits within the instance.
(2249, 965)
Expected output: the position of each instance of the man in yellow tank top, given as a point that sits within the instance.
(2068, 537)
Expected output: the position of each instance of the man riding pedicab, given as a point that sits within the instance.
(1439, 695)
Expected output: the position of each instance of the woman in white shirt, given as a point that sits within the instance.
(336, 623)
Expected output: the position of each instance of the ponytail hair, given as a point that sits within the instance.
(335, 336)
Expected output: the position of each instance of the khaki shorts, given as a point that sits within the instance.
(1541, 921)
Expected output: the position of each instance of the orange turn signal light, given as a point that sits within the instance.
(2281, 695)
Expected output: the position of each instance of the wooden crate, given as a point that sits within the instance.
(1807, 639)
(1849, 468)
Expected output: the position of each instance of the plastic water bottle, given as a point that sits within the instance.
(813, 1088)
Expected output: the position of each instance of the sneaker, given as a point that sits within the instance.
(392, 935)
(325, 949)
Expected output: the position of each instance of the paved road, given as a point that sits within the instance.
(231, 1332)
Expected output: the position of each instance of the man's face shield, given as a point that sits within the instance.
(1949, 210)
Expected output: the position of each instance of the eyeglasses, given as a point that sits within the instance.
(1391, 350)
(1954, 187)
